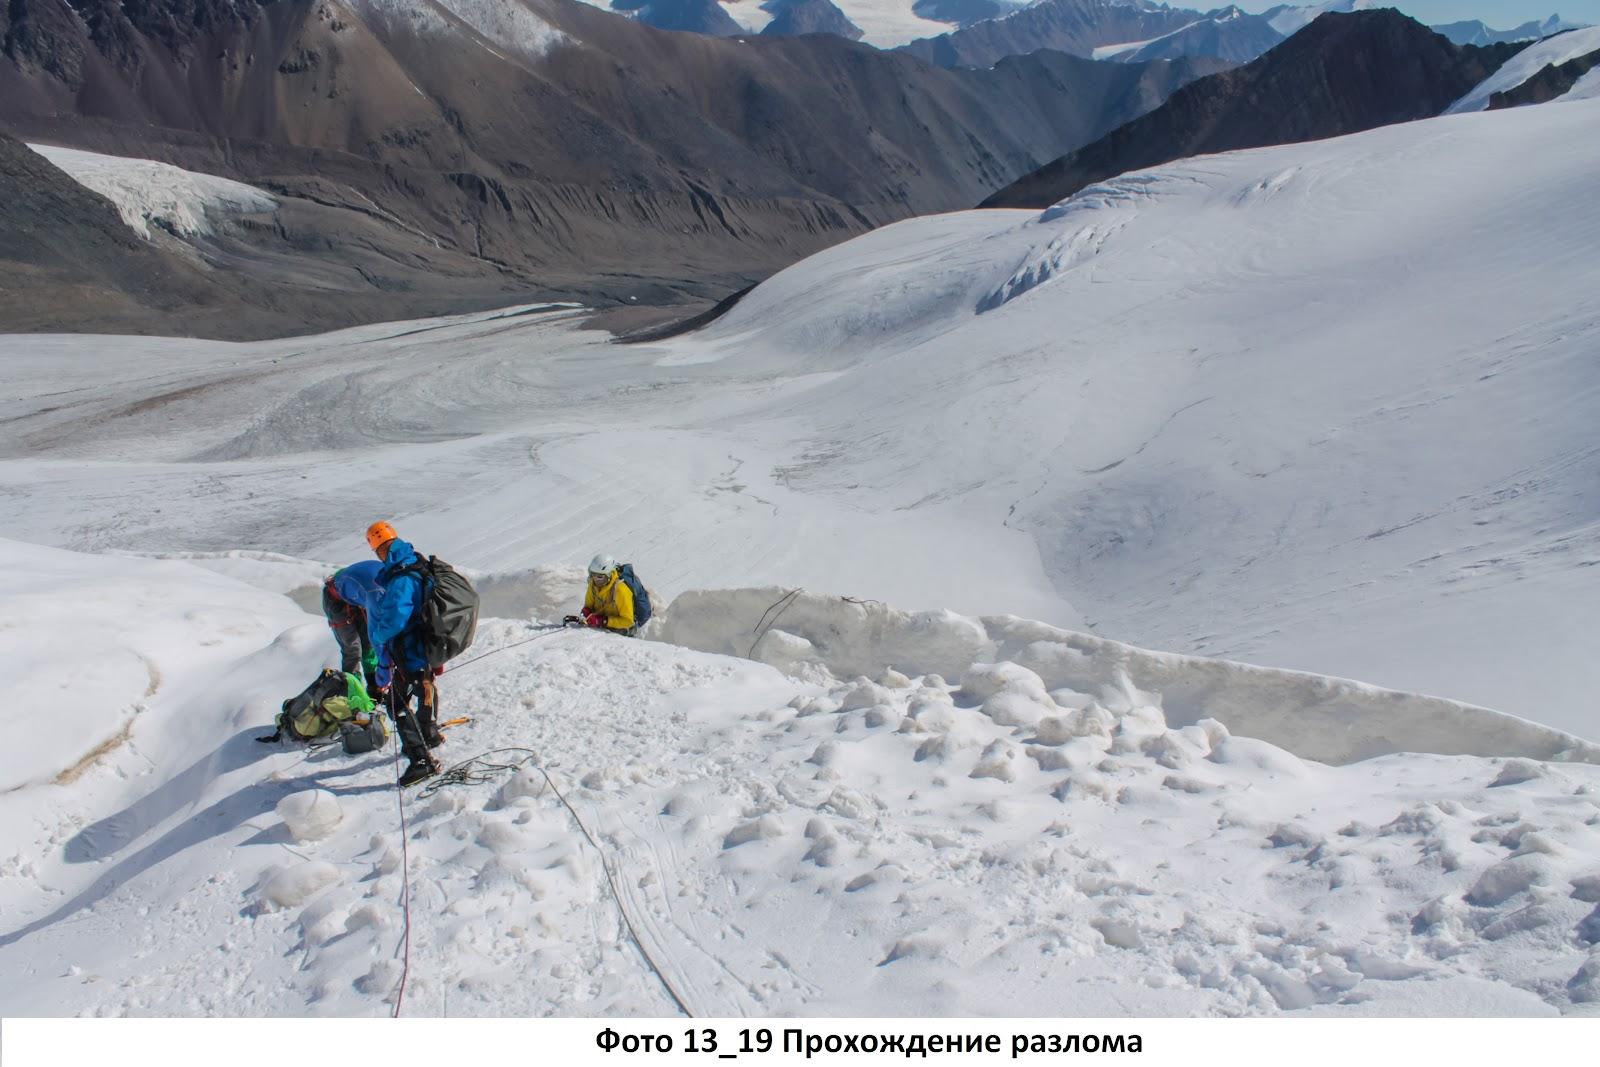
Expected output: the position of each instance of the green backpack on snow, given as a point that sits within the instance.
(335, 705)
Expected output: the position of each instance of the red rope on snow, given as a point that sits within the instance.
(405, 891)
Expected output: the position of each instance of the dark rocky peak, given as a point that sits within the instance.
(1341, 74)
(963, 12)
(689, 16)
(791, 18)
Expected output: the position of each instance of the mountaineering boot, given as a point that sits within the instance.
(428, 723)
(422, 767)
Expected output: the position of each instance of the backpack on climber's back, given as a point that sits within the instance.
(447, 617)
(641, 595)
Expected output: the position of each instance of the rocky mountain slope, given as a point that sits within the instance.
(542, 146)
(1553, 81)
(795, 17)
(1342, 74)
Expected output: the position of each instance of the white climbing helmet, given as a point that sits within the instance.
(602, 564)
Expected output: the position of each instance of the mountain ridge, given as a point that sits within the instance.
(1341, 74)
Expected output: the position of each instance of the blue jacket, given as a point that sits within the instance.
(358, 584)
(389, 620)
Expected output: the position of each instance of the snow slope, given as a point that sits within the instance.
(1528, 62)
(121, 640)
(1585, 88)
(148, 193)
(784, 845)
(1220, 375)
(1323, 407)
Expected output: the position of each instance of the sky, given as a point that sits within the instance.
(1498, 14)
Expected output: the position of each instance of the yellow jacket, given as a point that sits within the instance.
(614, 600)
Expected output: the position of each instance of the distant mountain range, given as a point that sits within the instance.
(1134, 31)
(1475, 32)
(429, 154)
(981, 32)
(1341, 74)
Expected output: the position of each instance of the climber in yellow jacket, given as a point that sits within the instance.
(607, 600)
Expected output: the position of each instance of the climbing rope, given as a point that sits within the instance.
(548, 628)
(474, 771)
(405, 832)
(405, 890)
(787, 600)
(478, 770)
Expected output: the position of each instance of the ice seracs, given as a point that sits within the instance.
(147, 193)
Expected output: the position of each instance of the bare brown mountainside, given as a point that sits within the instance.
(542, 147)
(69, 262)
(1341, 74)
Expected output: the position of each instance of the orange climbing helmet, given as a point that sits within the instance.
(379, 534)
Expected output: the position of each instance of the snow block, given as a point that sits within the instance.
(762, 829)
(1012, 708)
(981, 681)
(1330, 720)
(1517, 771)
(310, 815)
(289, 887)
(1584, 987)
(1586, 887)
(1507, 878)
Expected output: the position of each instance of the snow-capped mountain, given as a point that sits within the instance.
(1118, 30)
(1077, 27)
(1473, 31)
(1552, 52)
(1229, 34)
(1272, 405)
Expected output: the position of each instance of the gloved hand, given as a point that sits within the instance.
(438, 671)
(596, 621)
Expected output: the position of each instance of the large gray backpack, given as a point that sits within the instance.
(448, 616)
